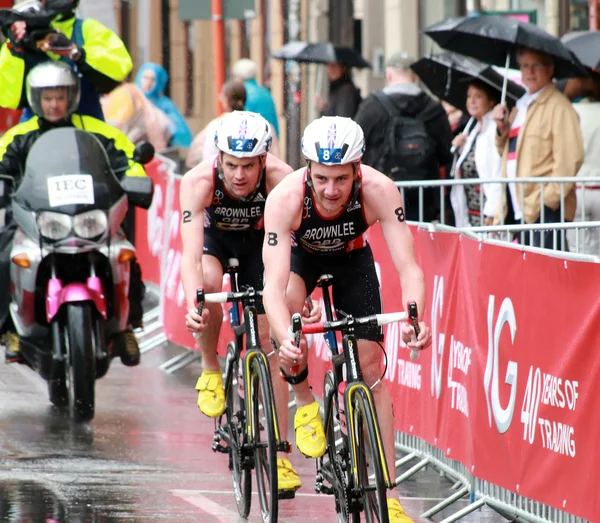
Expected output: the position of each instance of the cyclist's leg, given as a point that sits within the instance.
(252, 273)
(212, 275)
(308, 425)
(356, 291)
(211, 394)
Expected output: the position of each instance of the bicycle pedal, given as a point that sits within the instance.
(286, 494)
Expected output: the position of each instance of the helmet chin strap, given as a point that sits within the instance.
(248, 198)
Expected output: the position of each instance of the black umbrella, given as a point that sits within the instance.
(447, 76)
(320, 53)
(585, 45)
(496, 39)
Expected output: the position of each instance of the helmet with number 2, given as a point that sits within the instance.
(333, 140)
(243, 134)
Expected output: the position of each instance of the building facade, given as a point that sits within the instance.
(154, 32)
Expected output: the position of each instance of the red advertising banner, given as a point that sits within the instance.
(508, 386)
(150, 224)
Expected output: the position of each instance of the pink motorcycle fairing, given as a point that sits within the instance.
(58, 295)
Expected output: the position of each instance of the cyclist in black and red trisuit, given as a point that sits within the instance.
(319, 216)
(222, 205)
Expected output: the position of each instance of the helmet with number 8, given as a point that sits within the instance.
(243, 134)
(333, 140)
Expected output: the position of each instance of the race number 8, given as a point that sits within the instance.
(326, 155)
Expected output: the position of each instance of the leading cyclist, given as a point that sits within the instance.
(320, 215)
(222, 203)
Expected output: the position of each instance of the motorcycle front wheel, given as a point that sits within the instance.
(80, 371)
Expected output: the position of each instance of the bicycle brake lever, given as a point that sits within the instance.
(296, 333)
(200, 300)
(413, 316)
(200, 307)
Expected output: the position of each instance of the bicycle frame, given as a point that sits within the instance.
(249, 329)
(354, 382)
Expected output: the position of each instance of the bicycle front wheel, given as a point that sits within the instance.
(265, 441)
(241, 476)
(370, 461)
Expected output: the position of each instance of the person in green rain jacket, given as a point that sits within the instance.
(96, 54)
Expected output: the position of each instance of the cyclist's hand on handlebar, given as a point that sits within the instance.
(290, 355)
(311, 314)
(408, 336)
(194, 322)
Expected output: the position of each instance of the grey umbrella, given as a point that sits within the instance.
(585, 45)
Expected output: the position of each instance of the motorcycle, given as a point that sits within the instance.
(70, 262)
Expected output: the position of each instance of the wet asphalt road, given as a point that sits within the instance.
(146, 457)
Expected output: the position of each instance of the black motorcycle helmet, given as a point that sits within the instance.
(63, 9)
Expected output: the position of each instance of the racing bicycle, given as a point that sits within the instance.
(353, 468)
(248, 429)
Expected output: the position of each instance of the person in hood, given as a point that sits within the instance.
(344, 97)
(409, 101)
(152, 80)
(94, 52)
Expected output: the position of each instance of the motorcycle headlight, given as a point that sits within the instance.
(90, 224)
(54, 225)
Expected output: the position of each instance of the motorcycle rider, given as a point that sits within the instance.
(92, 50)
(53, 92)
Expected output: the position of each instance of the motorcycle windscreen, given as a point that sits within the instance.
(68, 171)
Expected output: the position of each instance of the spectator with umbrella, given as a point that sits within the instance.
(540, 137)
(344, 97)
(474, 88)
(585, 95)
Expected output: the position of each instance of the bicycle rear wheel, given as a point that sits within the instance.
(369, 460)
(241, 476)
(265, 442)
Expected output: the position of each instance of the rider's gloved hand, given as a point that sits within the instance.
(311, 313)
(420, 343)
(292, 356)
(194, 322)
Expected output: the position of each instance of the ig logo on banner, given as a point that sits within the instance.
(438, 339)
(502, 416)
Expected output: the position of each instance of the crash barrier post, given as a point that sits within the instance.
(504, 400)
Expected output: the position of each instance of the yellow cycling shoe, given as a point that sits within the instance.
(396, 513)
(211, 393)
(287, 477)
(310, 436)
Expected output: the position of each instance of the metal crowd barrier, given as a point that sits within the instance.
(583, 184)
(480, 493)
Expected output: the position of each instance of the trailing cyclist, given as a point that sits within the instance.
(318, 217)
(222, 202)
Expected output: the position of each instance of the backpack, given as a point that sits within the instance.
(408, 151)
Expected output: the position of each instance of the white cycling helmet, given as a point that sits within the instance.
(51, 75)
(333, 140)
(243, 134)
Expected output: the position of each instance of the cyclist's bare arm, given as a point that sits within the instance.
(277, 170)
(283, 213)
(383, 203)
(194, 195)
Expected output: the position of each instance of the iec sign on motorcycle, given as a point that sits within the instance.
(70, 189)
